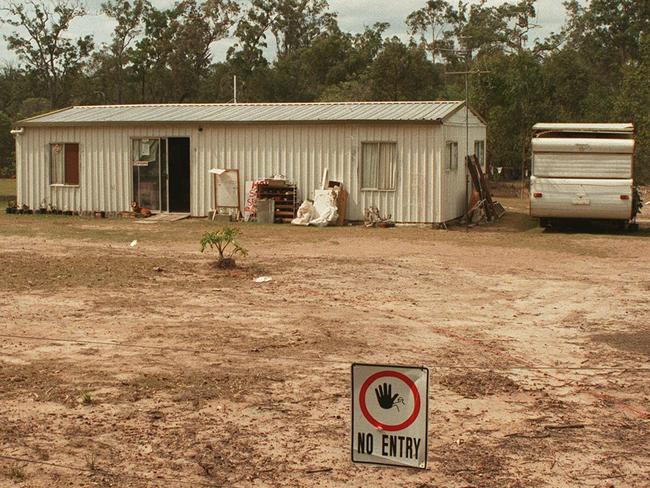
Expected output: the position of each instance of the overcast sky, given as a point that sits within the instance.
(353, 15)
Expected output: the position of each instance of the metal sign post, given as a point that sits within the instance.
(389, 415)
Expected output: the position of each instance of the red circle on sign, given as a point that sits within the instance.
(377, 423)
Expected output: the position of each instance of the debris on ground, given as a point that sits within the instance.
(280, 196)
(263, 279)
(327, 208)
(306, 213)
(477, 384)
(482, 207)
(372, 218)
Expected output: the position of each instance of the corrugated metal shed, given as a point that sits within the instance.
(584, 127)
(249, 113)
(299, 141)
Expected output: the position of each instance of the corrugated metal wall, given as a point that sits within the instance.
(105, 177)
(302, 152)
(299, 151)
(454, 182)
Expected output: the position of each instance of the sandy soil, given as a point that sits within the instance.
(146, 367)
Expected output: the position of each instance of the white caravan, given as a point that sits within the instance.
(583, 171)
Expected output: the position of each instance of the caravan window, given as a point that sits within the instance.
(378, 165)
(64, 164)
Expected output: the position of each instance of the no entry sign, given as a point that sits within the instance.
(389, 415)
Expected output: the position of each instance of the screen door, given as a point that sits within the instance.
(149, 173)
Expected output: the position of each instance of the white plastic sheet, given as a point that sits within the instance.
(321, 213)
(306, 213)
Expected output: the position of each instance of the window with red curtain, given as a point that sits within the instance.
(64, 164)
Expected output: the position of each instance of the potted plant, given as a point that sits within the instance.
(12, 208)
(224, 241)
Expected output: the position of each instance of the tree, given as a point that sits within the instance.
(611, 29)
(512, 99)
(297, 22)
(33, 106)
(15, 86)
(294, 24)
(114, 58)
(7, 165)
(49, 55)
(514, 27)
(632, 104)
(402, 72)
(362, 52)
(432, 24)
(175, 53)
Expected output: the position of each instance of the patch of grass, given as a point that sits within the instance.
(637, 342)
(16, 472)
(91, 461)
(479, 384)
(87, 399)
(7, 191)
(7, 186)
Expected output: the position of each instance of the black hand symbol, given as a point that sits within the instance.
(385, 396)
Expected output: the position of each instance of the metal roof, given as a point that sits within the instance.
(249, 113)
(582, 127)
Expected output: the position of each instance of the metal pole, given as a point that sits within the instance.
(466, 135)
(235, 87)
(466, 73)
(467, 104)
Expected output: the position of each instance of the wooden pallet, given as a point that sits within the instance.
(163, 217)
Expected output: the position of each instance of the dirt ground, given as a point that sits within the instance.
(144, 366)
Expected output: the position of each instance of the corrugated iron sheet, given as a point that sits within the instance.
(248, 113)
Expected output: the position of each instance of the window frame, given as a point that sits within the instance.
(482, 159)
(65, 184)
(361, 164)
(449, 164)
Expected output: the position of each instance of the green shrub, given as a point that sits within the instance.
(224, 241)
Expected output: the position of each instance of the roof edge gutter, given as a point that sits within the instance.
(225, 122)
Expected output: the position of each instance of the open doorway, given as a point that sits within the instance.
(178, 151)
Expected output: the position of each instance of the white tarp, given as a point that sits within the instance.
(321, 213)
(306, 213)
